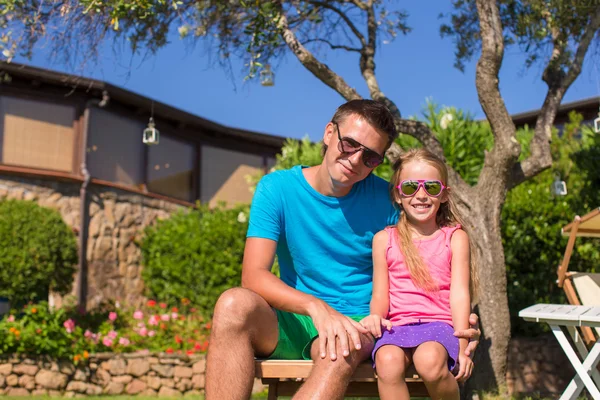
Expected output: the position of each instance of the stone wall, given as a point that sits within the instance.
(117, 220)
(148, 375)
(537, 366)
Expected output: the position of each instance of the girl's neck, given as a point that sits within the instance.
(423, 230)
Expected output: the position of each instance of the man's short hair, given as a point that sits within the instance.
(374, 112)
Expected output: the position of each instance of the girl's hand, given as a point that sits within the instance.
(465, 369)
(373, 324)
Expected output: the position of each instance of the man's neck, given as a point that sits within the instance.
(320, 180)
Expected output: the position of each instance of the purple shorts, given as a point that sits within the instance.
(411, 335)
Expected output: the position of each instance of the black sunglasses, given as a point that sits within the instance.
(347, 145)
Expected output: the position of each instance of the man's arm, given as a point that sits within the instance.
(257, 276)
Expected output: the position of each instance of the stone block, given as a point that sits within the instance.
(122, 379)
(93, 390)
(183, 372)
(114, 388)
(149, 393)
(163, 370)
(168, 392)
(138, 367)
(81, 375)
(66, 367)
(199, 367)
(39, 392)
(51, 380)
(167, 382)
(76, 386)
(184, 385)
(22, 369)
(136, 386)
(6, 369)
(12, 380)
(153, 382)
(15, 391)
(27, 382)
(117, 366)
(198, 381)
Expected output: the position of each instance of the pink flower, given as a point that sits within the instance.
(143, 331)
(124, 341)
(107, 341)
(113, 316)
(112, 334)
(174, 315)
(11, 318)
(138, 315)
(165, 317)
(88, 334)
(151, 333)
(69, 325)
(153, 320)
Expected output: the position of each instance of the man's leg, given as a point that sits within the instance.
(243, 325)
(328, 379)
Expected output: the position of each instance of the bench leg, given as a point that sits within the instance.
(273, 391)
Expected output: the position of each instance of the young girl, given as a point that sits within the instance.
(421, 284)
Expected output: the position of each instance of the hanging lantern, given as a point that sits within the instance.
(559, 188)
(266, 76)
(597, 124)
(151, 134)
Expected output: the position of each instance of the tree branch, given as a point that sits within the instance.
(342, 15)
(333, 46)
(558, 83)
(506, 148)
(319, 70)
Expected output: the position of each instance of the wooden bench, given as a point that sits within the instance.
(284, 377)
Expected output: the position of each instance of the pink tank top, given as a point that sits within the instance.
(408, 302)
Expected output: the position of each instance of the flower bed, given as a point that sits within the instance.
(66, 334)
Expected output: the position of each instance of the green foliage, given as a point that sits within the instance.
(302, 152)
(532, 220)
(65, 334)
(38, 252)
(533, 25)
(195, 255)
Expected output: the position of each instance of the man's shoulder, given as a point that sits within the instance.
(278, 177)
(375, 184)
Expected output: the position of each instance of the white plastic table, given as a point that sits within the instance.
(570, 317)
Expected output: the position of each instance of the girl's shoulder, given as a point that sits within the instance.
(383, 237)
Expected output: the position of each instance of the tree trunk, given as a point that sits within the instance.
(482, 218)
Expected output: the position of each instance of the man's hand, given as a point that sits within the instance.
(465, 369)
(471, 334)
(331, 324)
(374, 323)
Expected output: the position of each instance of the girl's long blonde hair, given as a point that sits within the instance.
(447, 215)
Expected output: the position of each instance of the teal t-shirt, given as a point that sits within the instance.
(323, 243)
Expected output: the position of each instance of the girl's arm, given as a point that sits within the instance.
(460, 299)
(380, 301)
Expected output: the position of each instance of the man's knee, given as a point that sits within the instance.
(235, 307)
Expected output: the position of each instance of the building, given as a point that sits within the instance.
(75, 144)
(588, 108)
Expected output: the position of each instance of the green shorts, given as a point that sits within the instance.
(296, 334)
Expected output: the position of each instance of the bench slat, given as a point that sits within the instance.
(290, 369)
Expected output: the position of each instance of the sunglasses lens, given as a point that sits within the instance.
(433, 187)
(371, 159)
(350, 146)
(409, 188)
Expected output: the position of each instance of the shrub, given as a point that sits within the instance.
(38, 252)
(195, 255)
(65, 334)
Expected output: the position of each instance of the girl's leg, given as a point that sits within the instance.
(391, 363)
(431, 363)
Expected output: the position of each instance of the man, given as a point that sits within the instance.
(320, 222)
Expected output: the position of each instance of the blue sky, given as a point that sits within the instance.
(409, 70)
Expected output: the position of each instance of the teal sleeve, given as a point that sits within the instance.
(266, 210)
